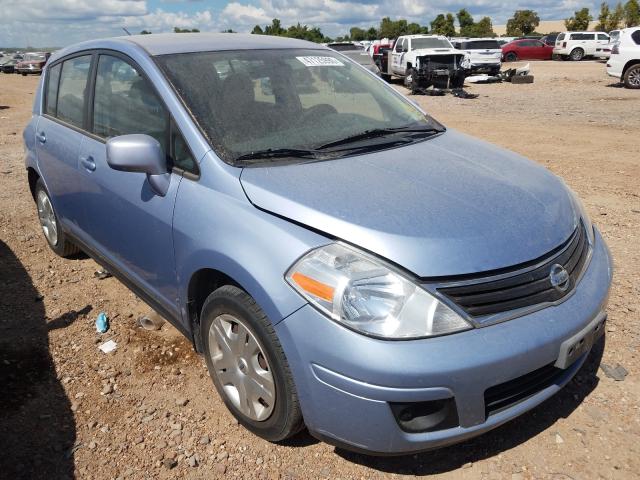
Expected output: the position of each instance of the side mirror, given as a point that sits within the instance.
(143, 154)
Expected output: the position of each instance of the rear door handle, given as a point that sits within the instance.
(88, 163)
(41, 137)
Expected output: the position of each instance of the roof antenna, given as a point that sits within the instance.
(126, 31)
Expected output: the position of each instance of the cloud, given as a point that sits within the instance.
(61, 22)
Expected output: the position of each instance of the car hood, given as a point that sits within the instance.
(447, 206)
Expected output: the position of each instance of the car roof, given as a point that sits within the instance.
(169, 43)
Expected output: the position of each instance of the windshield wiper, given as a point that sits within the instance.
(379, 132)
(271, 153)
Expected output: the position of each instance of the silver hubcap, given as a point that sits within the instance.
(47, 218)
(634, 77)
(241, 367)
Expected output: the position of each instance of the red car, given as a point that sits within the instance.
(526, 49)
(33, 63)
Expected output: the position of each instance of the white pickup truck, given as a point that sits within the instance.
(428, 60)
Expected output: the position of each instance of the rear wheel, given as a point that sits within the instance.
(56, 238)
(248, 366)
(631, 77)
(577, 54)
(511, 57)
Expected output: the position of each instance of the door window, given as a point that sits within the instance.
(51, 95)
(602, 36)
(126, 103)
(72, 90)
(399, 45)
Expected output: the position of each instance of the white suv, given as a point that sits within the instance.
(624, 62)
(577, 45)
(485, 54)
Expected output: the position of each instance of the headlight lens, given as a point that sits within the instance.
(364, 294)
(584, 215)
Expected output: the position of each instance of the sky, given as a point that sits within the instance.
(63, 22)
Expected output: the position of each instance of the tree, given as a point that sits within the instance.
(579, 21)
(228, 30)
(357, 34)
(392, 28)
(275, 28)
(257, 30)
(484, 28)
(184, 30)
(372, 33)
(523, 22)
(416, 29)
(615, 19)
(603, 17)
(632, 13)
(466, 22)
(145, 32)
(443, 25)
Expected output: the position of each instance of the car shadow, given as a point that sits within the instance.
(37, 426)
(616, 85)
(503, 438)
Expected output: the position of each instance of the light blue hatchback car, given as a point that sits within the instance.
(341, 259)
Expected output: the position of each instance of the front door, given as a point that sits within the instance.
(396, 56)
(127, 221)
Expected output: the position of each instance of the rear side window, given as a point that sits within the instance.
(51, 95)
(125, 103)
(602, 36)
(72, 90)
(636, 37)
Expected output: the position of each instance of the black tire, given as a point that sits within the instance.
(62, 247)
(386, 77)
(511, 57)
(631, 77)
(286, 418)
(24, 74)
(577, 54)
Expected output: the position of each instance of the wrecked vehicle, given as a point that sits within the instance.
(425, 61)
(341, 260)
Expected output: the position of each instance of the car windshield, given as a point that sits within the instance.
(358, 56)
(288, 101)
(433, 42)
(481, 45)
(34, 58)
(340, 47)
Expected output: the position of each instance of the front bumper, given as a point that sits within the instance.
(346, 382)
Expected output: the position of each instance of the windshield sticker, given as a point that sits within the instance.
(320, 62)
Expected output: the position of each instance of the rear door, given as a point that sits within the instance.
(59, 135)
(590, 43)
(127, 222)
(602, 43)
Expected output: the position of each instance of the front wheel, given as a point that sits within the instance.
(248, 366)
(631, 77)
(56, 238)
(511, 57)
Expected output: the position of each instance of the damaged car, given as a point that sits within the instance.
(425, 61)
(342, 261)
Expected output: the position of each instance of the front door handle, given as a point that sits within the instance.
(88, 163)
(41, 137)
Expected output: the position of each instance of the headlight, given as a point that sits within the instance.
(364, 294)
(584, 215)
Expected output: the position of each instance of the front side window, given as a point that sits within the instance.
(51, 96)
(560, 37)
(126, 103)
(399, 45)
(636, 37)
(72, 90)
(263, 100)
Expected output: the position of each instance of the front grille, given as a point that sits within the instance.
(507, 394)
(523, 288)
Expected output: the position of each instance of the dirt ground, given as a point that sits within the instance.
(149, 410)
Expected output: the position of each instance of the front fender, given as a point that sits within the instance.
(227, 233)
